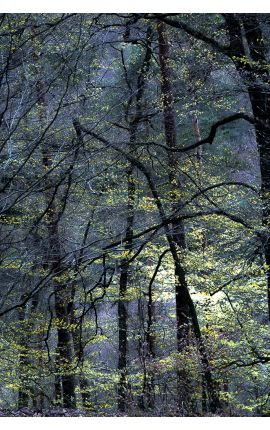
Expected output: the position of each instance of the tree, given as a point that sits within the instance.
(133, 253)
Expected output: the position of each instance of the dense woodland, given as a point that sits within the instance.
(135, 214)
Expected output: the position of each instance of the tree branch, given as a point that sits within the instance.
(192, 31)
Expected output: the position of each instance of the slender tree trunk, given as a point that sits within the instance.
(122, 302)
(185, 311)
(23, 396)
(38, 397)
(65, 379)
(77, 333)
(178, 234)
(125, 266)
(149, 385)
(196, 129)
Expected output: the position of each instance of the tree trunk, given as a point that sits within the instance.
(255, 74)
(38, 397)
(178, 234)
(196, 129)
(23, 395)
(122, 302)
(125, 266)
(65, 379)
(185, 311)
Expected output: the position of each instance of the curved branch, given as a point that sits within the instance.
(192, 31)
(213, 131)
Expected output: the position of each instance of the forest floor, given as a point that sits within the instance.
(59, 412)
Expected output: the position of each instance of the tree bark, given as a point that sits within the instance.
(65, 379)
(122, 302)
(125, 265)
(255, 75)
(186, 315)
(23, 394)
